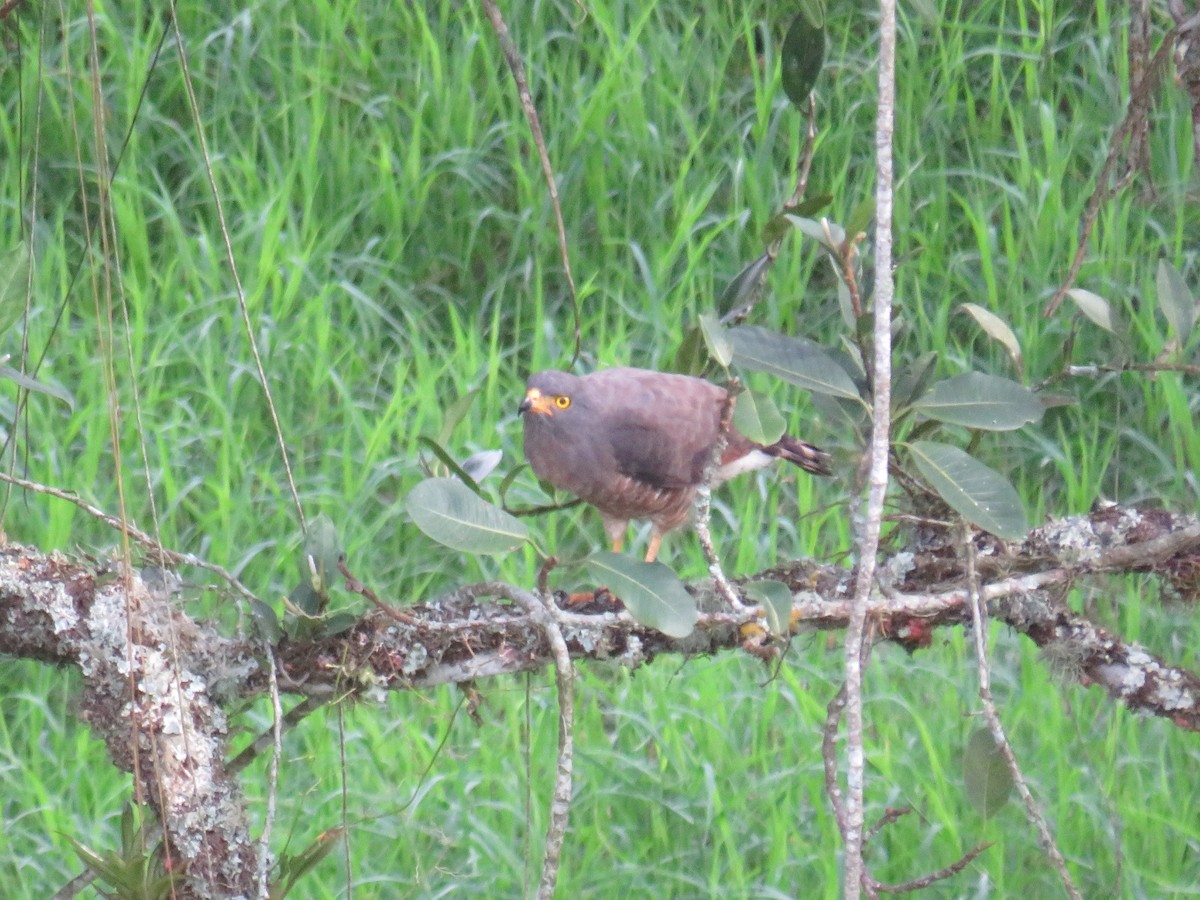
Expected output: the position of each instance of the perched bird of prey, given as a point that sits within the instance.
(635, 444)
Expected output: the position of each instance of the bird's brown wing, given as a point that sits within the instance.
(661, 427)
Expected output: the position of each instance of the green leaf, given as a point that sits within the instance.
(266, 620)
(802, 55)
(776, 599)
(448, 461)
(981, 401)
(452, 514)
(861, 216)
(479, 466)
(690, 358)
(986, 775)
(995, 328)
(1175, 300)
(305, 603)
(758, 418)
(779, 225)
(828, 234)
(14, 278)
(912, 379)
(794, 359)
(977, 493)
(1094, 307)
(293, 868)
(742, 292)
(716, 340)
(845, 302)
(108, 866)
(322, 553)
(129, 828)
(337, 623)
(37, 387)
(651, 592)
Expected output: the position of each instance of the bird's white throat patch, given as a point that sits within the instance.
(755, 459)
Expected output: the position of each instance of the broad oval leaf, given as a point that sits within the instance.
(758, 418)
(828, 234)
(452, 514)
(14, 277)
(979, 494)
(1094, 307)
(480, 465)
(742, 292)
(651, 592)
(267, 621)
(995, 328)
(321, 553)
(794, 359)
(802, 55)
(336, 624)
(690, 358)
(1175, 300)
(776, 599)
(912, 378)
(861, 216)
(986, 775)
(780, 224)
(981, 401)
(716, 340)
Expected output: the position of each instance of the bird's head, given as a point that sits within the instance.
(549, 394)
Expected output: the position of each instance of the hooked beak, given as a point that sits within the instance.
(536, 401)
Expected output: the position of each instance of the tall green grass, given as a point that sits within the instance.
(391, 227)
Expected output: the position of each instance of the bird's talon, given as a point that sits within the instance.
(599, 600)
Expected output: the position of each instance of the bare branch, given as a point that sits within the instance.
(74, 613)
(560, 804)
(512, 58)
(704, 500)
(867, 539)
(992, 717)
(1133, 127)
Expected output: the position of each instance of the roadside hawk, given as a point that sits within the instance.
(635, 444)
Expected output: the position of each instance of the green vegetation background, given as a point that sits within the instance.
(390, 224)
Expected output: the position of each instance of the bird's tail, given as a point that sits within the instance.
(801, 453)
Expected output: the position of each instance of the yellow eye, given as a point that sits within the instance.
(562, 402)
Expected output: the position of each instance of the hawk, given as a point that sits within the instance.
(635, 444)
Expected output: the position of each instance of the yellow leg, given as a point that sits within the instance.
(615, 529)
(655, 543)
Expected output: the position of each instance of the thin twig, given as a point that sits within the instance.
(890, 815)
(348, 859)
(833, 719)
(1095, 370)
(544, 615)
(231, 261)
(804, 166)
(264, 843)
(357, 587)
(992, 716)
(512, 57)
(294, 717)
(174, 557)
(704, 501)
(868, 544)
(919, 884)
(1131, 124)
